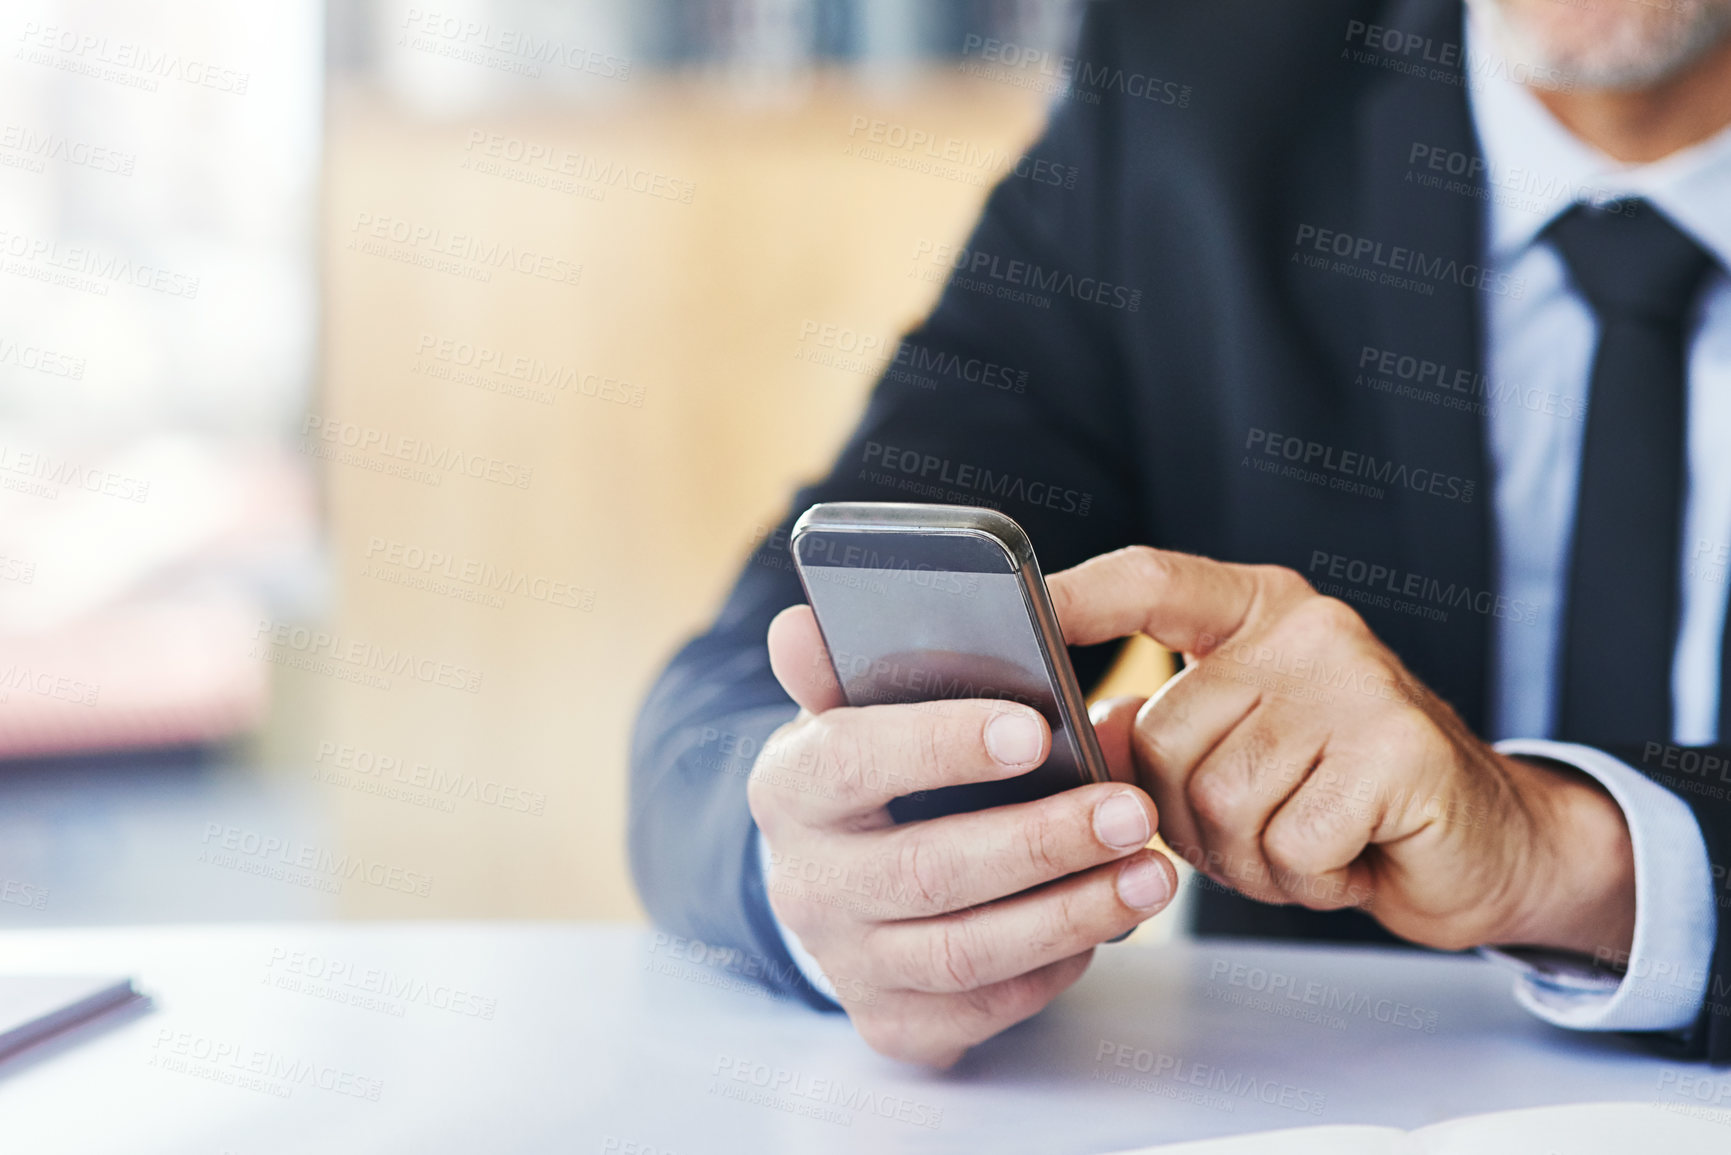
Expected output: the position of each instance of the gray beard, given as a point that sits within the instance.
(1638, 56)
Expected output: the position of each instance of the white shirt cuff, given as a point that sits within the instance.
(1675, 918)
(808, 966)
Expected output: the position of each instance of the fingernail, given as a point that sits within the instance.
(1013, 739)
(1120, 823)
(1142, 884)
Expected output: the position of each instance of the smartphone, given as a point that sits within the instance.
(922, 603)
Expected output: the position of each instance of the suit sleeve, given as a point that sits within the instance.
(1009, 395)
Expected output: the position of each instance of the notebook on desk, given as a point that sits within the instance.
(1686, 1127)
(32, 1007)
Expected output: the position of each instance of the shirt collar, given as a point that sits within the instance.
(1536, 168)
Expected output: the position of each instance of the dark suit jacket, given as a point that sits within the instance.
(1249, 330)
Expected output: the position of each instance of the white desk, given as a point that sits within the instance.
(593, 1046)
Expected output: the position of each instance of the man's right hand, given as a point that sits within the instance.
(937, 935)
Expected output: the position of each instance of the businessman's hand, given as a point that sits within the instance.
(937, 935)
(1297, 761)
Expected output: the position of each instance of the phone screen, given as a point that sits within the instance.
(926, 616)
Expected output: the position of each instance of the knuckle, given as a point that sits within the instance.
(803, 918)
(1025, 995)
(923, 867)
(936, 737)
(1153, 748)
(1216, 797)
(1067, 923)
(1149, 567)
(1298, 845)
(1282, 582)
(952, 964)
(849, 753)
(1043, 844)
(889, 1034)
(1403, 738)
(1325, 617)
(836, 746)
(765, 790)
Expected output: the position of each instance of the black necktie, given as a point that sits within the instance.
(1640, 275)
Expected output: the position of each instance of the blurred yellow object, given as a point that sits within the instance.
(714, 350)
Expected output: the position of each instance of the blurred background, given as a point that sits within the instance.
(386, 389)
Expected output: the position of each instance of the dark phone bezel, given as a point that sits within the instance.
(1017, 553)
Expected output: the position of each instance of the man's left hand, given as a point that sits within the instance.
(1296, 760)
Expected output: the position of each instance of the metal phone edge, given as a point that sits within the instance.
(894, 516)
(1052, 645)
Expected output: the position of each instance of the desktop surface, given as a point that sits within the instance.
(463, 1037)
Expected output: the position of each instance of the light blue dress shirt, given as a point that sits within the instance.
(1539, 352)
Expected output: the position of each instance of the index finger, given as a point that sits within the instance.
(853, 760)
(1186, 603)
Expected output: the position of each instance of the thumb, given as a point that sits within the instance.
(801, 661)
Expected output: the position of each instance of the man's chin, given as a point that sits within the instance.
(1606, 44)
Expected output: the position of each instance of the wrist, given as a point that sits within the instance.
(1580, 892)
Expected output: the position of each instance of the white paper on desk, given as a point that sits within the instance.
(1680, 1128)
(32, 1007)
